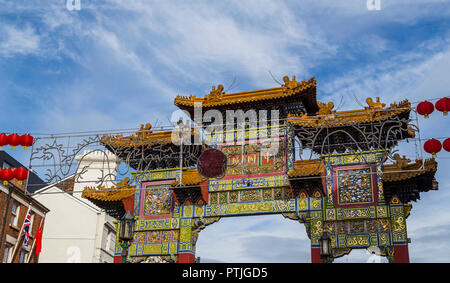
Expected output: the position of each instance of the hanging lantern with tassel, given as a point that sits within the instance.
(13, 140)
(26, 140)
(446, 144)
(6, 175)
(20, 174)
(443, 105)
(425, 108)
(3, 140)
(432, 146)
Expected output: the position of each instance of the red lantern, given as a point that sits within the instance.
(425, 108)
(432, 146)
(13, 140)
(443, 105)
(446, 144)
(6, 175)
(26, 140)
(20, 174)
(3, 140)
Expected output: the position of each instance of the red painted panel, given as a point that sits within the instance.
(401, 254)
(315, 255)
(186, 258)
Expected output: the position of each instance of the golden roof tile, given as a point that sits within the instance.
(217, 97)
(328, 117)
(403, 170)
(190, 177)
(303, 168)
(142, 137)
(122, 191)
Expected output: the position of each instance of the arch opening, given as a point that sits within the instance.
(253, 239)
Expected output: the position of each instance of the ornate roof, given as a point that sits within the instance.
(217, 97)
(398, 171)
(190, 177)
(111, 194)
(143, 137)
(403, 170)
(375, 111)
(307, 168)
(146, 150)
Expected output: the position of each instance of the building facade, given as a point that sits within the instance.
(77, 230)
(14, 205)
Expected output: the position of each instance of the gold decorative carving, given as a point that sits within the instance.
(395, 200)
(374, 105)
(290, 84)
(326, 108)
(401, 162)
(215, 94)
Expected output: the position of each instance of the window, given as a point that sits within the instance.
(7, 252)
(110, 242)
(7, 165)
(23, 256)
(15, 213)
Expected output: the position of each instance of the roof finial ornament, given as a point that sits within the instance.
(145, 128)
(374, 105)
(401, 162)
(326, 108)
(215, 94)
(291, 84)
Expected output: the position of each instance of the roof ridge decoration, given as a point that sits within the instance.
(374, 105)
(215, 94)
(143, 136)
(373, 112)
(292, 86)
(326, 108)
(401, 162)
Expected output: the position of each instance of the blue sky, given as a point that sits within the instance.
(118, 64)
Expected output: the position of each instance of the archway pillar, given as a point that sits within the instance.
(186, 246)
(316, 226)
(399, 232)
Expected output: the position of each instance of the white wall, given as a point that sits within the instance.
(74, 227)
(70, 228)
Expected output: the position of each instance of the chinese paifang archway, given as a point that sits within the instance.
(347, 190)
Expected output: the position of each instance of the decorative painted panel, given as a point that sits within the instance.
(157, 224)
(148, 237)
(156, 200)
(258, 158)
(354, 185)
(268, 181)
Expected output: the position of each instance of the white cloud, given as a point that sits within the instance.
(18, 41)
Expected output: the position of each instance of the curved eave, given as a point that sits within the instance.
(304, 168)
(409, 171)
(190, 177)
(343, 118)
(109, 194)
